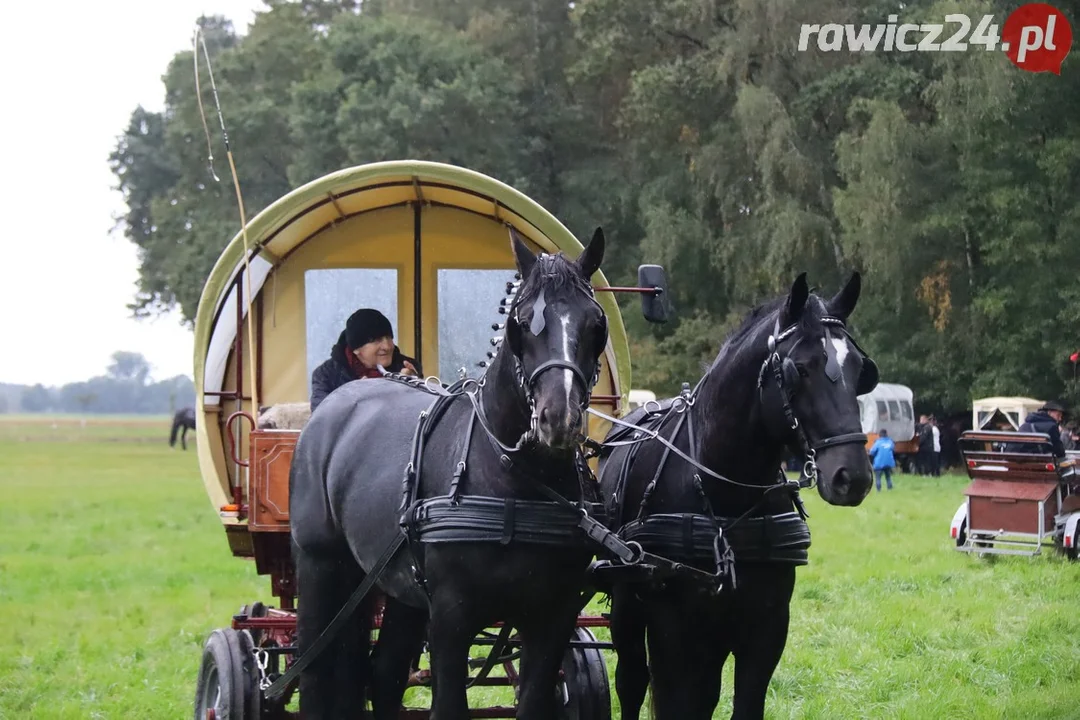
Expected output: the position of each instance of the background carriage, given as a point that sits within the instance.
(425, 243)
(1020, 496)
(891, 407)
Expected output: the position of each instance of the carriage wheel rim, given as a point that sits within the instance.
(212, 691)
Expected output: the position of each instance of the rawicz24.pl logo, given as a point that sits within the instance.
(1036, 37)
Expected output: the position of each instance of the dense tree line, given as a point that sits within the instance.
(698, 135)
(125, 388)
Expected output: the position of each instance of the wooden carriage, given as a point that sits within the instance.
(428, 245)
(1020, 497)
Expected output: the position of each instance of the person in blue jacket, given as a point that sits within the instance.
(881, 453)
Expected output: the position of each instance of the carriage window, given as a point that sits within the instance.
(894, 410)
(906, 408)
(332, 295)
(882, 411)
(468, 305)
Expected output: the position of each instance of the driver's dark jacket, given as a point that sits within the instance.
(1040, 422)
(336, 372)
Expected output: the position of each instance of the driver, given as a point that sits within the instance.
(1046, 420)
(365, 345)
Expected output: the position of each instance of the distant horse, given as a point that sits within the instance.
(184, 418)
(481, 548)
(788, 377)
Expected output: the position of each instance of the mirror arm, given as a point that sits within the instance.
(654, 290)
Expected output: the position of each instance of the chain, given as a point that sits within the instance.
(810, 469)
(262, 659)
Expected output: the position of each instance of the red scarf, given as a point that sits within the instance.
(359, 370)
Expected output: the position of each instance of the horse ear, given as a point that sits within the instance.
(843, 303)
(796, 300)
(593, 254)
(523, 256)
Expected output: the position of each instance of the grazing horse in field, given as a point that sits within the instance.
(484, 543)
(788, 377)
(185, 419)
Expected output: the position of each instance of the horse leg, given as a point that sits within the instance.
(333, 686)
(401, 638)
(183, 438)
(760, 630)
(544, 640)
(686, 657)
(451, 630)
(628, 622)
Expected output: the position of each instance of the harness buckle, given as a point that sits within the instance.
(725, 560)
(810, 470)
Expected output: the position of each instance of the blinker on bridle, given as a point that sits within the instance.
(833, 371)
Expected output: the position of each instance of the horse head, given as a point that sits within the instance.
(556, 332)
(812, 377)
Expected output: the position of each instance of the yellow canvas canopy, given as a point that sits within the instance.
(1010, 409)
(426, 243)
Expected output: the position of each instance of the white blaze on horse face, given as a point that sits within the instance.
(841, 354)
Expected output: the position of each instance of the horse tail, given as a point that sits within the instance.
(176, 423)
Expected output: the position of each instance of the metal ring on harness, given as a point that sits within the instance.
(654, 402)
(639, 552)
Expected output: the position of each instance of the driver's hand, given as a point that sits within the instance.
(409, 369)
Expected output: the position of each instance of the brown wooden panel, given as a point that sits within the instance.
(1011, 505)
(268, 501)
(1011, 489)
(239, 540)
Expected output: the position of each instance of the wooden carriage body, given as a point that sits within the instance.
(426, 243)
(1020, 495)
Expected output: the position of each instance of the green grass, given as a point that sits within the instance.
(114, 568)
(99, 428)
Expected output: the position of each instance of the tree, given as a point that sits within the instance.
(697, 134)
(129, 366)
(36, 399)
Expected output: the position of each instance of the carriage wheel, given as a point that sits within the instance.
(227, 687)
(584, 693)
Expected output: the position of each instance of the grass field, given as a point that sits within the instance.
(114, 568)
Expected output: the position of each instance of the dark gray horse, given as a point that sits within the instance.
(788, 377)
(183, 419)
(485, 559)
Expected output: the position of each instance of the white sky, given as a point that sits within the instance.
(70, 85)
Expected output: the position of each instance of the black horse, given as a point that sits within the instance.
(787, 378)
(484, 543)
(185, 419)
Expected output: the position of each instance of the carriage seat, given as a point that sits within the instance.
(284, 416)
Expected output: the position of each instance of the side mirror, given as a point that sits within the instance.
(654, 304)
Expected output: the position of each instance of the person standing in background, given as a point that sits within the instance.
(935, 463)
(925, 454)
(881, 454)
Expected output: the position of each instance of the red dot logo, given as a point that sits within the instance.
(1036, 38)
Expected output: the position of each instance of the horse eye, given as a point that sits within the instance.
(802, 370)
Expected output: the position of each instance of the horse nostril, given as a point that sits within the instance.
(842, 479)
(543, 417)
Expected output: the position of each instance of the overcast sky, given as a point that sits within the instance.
(71, 82)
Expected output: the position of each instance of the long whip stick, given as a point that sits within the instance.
(197, 40)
